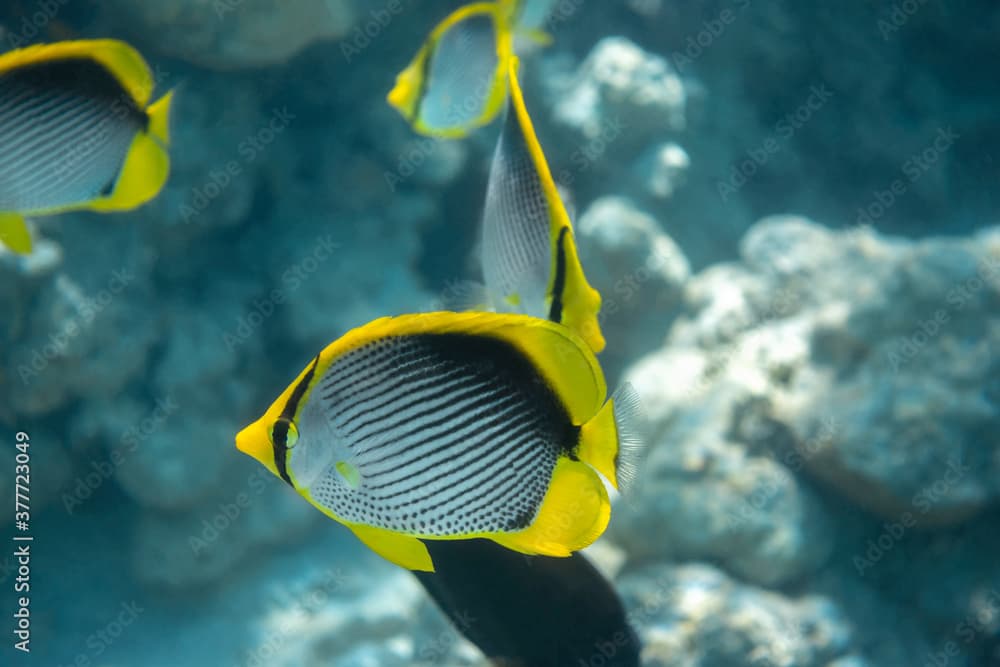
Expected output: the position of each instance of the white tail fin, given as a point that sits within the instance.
(630, 424)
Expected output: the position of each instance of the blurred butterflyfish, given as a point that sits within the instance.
(458, 79)
(77, 131)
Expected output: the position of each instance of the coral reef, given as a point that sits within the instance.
(821, 485)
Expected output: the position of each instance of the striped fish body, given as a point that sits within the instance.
(448, 426)
(74, 129)
(65, 129)
(457, 81)
(528, 253)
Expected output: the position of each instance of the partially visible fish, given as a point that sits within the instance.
(528, 252)
(530, 611)
(448, 426)
(529, 18)
(77, 132)
(458, 79)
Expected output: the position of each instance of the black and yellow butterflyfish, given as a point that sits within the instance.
(77, 131)
(450, 426)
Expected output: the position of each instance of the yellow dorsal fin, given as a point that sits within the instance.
(123, 61)
(403, 550)
(14, 233)
(580, 302)
(563, 359)
(143, 175)
(574, 513)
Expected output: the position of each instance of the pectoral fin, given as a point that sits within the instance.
(403, 550)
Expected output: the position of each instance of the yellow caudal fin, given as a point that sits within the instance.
(143, 175)
(574, 513)
(402, 550)
(14, 233)
(159, 118)
(611, 442)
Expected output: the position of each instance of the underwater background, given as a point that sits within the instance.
(789, 208)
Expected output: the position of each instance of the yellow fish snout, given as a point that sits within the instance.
(255, 442)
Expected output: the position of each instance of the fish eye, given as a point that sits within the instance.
(291, 432)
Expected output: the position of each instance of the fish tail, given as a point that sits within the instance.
(574, 513)
(14, 233)
(159, 118)
(611, 441)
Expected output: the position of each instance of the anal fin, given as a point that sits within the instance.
(403, 550)
(574, 513)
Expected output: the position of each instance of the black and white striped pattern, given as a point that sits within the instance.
(516, 248)
(65, 129)
(451, 434)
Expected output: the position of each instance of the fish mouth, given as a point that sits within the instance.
(255, 442)
(249, 442)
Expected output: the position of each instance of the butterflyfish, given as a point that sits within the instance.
(528, 252)
(77, 131)
(458, 79)
(451, 426)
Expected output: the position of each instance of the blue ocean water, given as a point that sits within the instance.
(788, 209)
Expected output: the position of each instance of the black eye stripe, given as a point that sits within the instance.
(279, 432)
